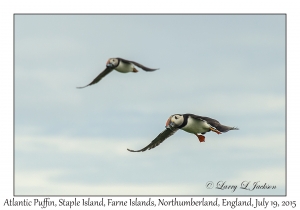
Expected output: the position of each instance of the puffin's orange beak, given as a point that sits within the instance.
(168, 121)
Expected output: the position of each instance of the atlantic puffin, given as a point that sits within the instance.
(190, 123)
(121, 65)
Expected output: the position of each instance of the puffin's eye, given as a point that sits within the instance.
(176, 117)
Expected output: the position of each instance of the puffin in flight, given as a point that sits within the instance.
(121, 65)
(190, 123)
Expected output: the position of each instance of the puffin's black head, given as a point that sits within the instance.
(174, 121)
(112, 63)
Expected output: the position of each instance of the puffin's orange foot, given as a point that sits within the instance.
(201, 138)
(135, 70)
(215, 130)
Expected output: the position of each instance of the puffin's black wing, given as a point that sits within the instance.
(99, 77)
(159, 139)
(210, 121)
(214, 123)
(137, 64)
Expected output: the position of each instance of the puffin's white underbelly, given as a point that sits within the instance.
(196, 126)
(124, 67)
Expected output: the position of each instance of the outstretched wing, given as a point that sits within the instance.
(99, 77)
(224, 128)
(137, 64)
(210, 121)
(214, 123)
(159, 139)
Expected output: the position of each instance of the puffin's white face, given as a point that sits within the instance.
(175, 120)
(112, 62)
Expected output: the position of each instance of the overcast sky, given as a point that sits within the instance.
(72, 141)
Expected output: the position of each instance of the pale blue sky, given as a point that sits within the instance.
(74, 141)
